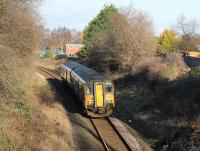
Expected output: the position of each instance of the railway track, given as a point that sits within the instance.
(110, 137)
(50, 73)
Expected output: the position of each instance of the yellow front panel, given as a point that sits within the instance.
(99, 94)
(110, 97)
(88, 98)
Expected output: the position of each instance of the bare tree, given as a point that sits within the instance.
(58, 37)
(20, 28)
(130, 36)
(187, 27)
(20, 35)
(189, 31)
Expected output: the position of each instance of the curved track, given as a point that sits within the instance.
(108, 134)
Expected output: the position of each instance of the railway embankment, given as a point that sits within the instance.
(35, 121)
(164, 112)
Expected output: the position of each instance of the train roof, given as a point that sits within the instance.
(85, 73)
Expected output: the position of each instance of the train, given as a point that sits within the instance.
(94, 91)
(192, 58)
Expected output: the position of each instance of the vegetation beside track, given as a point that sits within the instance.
(27, 122)
(157, 94)
(164, 112)
(84, 136)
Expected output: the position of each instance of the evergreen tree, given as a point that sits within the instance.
(98, 26)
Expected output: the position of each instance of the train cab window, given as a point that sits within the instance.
(89, 89)
(108, 88)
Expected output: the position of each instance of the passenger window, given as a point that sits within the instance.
(89, 89)
(108, 87)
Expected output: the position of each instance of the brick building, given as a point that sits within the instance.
(72, 48)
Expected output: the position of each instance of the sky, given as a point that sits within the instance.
(76, 14)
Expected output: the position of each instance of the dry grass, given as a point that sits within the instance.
(57, 129)
(32, 125)
(10, 69)
(169, 67)
(84, 134)
(51, 64)
(80, 132)
(22, 126)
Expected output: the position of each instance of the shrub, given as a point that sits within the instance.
(169, 67)
(167, 41)
(46, 95)
(3, 142)
(194, 73)
(23, 108)
(62, 56)
(169, 72)
(49, 54)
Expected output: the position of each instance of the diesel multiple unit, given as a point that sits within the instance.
(94, 90)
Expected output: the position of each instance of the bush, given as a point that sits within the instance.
(167, 41)
(194, 73)
(49, 54)
(46, 95)
(62, 56)
(23, 108)
(169, 67)
(3, 142)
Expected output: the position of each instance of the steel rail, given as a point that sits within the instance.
(47, 71)
(101, 138)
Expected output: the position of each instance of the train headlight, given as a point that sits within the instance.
(108, 101)
(109, 104)
(90, 102)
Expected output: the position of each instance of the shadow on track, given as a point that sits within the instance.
(65, 96)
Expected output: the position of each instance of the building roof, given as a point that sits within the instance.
(77, 40)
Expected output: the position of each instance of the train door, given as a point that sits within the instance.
(68, 76)
(63, 74)
(99, 95)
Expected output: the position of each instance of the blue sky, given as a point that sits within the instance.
(77, 13)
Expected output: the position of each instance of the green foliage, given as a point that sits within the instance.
(3, 142)
(97, 26)
(4, 5)
(23, 108)
(194, 73)
(49, 54)
(170, 72)
(167, 41)
(62, 56)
